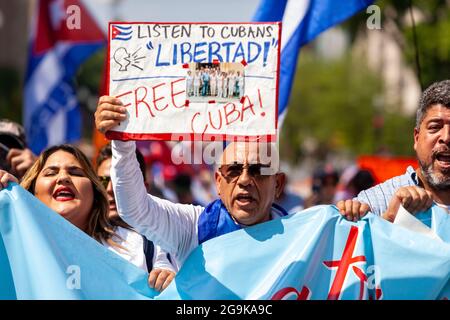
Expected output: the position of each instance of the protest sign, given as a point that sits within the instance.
(195, 81)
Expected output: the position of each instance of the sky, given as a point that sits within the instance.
(172, 10)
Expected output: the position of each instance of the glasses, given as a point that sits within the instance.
(233, 171)
(105, 180)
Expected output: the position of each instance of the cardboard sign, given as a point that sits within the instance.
(195, 81)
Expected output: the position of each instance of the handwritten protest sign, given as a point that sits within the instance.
(195, 81)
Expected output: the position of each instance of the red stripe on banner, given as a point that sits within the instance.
(193, 23)
(344, 264)
(244, 63)
(186, 103)
(186, 66)
(216, 61)
(124, 136)
(212, 101)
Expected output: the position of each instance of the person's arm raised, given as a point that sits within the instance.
(173, 226)
(110, 112)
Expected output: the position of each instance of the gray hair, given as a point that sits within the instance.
(437, 93)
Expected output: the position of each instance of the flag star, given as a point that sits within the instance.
(57, 13)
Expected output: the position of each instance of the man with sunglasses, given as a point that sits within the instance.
(247, 182)
(134, 247)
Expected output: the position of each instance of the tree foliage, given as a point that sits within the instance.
(433, 42)
(432, 26)
(335, 107)
(10, 95)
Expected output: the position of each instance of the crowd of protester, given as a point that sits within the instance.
(174, 211)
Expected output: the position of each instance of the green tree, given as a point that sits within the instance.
(433, 43)
(432, 20)
(334, 108)
(10, 95)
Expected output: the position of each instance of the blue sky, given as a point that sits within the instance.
(174, 10)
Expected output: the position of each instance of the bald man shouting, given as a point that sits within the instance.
(247, 180)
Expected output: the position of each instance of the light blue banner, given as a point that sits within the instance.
(314, 254)
(43, 256)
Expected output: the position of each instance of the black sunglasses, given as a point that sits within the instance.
(234, 170)
(105, 180)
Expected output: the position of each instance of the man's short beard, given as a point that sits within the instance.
(440, 182)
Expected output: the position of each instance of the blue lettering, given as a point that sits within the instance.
(250, 59)
(174, 54)
(266, 52)
(185, 51)
(227, 47)
(239, 53)
(202, 52)
(214, 52)
(198, 52)
(160, 64)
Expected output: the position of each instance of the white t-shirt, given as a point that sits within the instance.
(133, 251)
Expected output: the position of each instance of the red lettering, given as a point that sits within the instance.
(211, 122)
(122, 95)
(227, 114)
(138, 101)
(155, 99)
(192, 122)
(178, 93)
(260, 103)
(259, 98)
(250, 106)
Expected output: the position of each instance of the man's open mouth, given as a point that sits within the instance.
(244, 198)
(443, 157)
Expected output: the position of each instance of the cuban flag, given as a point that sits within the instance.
(63, 36)
(122, 33)
(302, 21)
